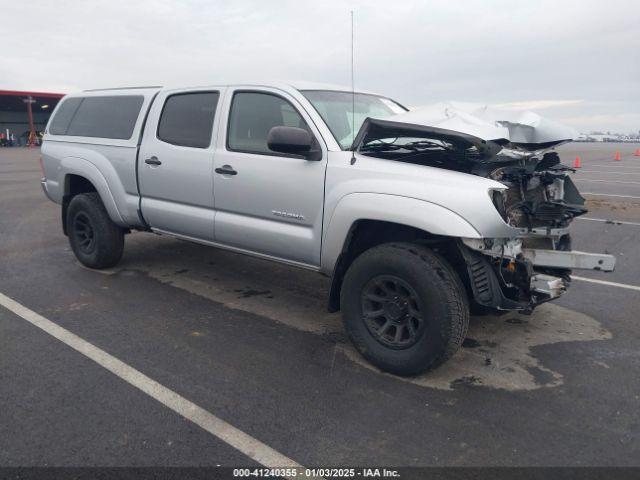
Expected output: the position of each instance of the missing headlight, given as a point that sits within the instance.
(498, 198)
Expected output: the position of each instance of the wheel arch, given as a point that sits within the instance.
(73, 185)
(83, 177)
(367, 220)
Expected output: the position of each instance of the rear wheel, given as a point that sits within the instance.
(404, 308)
(96, 241)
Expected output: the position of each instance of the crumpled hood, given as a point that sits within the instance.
(477, 123)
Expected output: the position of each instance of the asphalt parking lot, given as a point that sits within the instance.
(251, 344)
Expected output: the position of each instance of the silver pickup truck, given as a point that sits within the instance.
(418, 217)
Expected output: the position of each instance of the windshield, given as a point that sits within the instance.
(336, 109)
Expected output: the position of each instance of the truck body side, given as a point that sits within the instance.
(444, 210)
(75, 164)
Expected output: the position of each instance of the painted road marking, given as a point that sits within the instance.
(605, 181)
(609, 173)
(614, 222)
(609, 195)
(617, 167)
(604, 282)
(226, 432)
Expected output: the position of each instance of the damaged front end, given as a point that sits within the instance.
(539, 199)
(535, 266)
(506, 274)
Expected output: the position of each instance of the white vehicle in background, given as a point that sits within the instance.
(416, 216)
(583, 137)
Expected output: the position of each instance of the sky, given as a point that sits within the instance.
(577, 62)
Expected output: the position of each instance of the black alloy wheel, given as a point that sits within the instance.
(392, 312)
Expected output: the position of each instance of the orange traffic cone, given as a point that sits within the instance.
(617, 157)
(576, 163)
(637, 154)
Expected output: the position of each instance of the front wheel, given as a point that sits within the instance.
(96, 241)
(404, 308)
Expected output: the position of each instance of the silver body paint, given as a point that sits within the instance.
(285, 209)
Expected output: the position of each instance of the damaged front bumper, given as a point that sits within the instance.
(572, 260)
(505, 276)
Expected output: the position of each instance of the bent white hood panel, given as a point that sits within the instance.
(519, 127)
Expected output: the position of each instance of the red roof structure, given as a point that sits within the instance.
(17, 102)
(18, 93)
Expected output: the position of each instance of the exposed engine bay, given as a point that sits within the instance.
(540, 193)
(540, 200)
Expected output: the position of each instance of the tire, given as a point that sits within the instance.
(427, 297)
(96, 241)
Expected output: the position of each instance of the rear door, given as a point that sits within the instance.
(267, 202)
(175, 163)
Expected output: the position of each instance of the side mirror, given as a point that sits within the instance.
(292, 140)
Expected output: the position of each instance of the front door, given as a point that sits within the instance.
(267, 202)
(175, 163)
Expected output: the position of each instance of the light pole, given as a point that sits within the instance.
(32, 130)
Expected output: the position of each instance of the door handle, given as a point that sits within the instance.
(226, 170)
(153, 161)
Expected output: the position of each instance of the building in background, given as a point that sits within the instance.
(24, 115)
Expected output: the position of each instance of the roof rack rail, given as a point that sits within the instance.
(121, 88)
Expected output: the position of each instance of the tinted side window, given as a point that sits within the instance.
(106, 117)
(66, 111)
(253, 115)
(187, 119)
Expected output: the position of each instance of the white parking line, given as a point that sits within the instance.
(615, 222)
(604, 181)
(604, 282)
(608, 173)
(226, 432)
(616, 166)
(608, 195)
